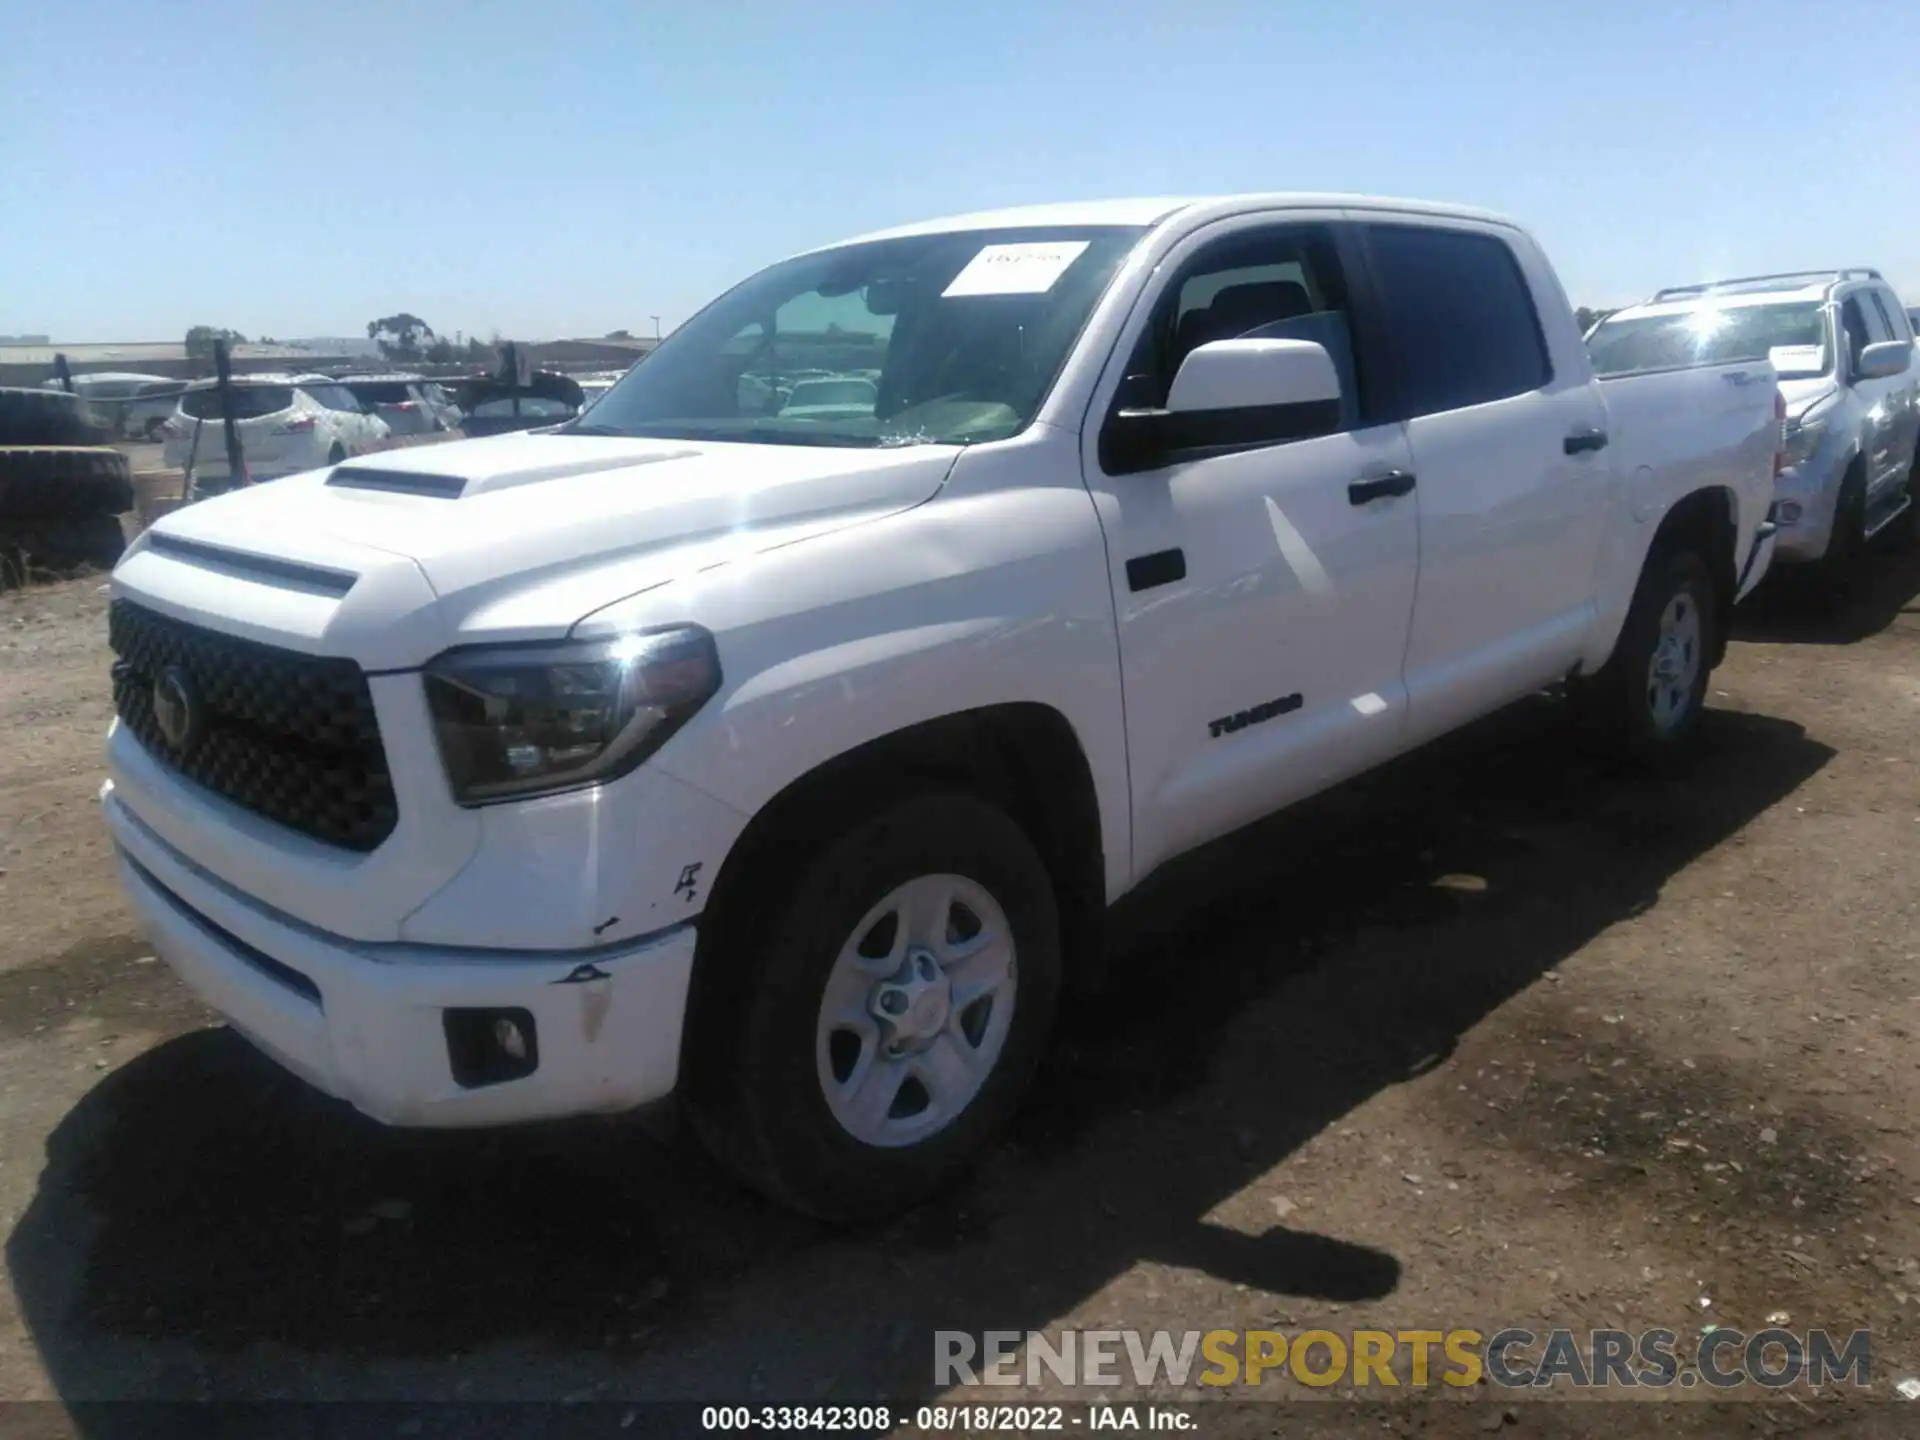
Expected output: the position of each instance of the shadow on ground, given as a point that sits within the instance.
(1790, 606)
(199, 1203)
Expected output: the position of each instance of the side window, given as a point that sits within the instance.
(1853, 321)
(1890, 318)
(1879, 328)
(1461, 317)
(1283, 283)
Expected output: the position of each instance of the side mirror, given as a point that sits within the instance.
(1227, 395)
(1885, 360)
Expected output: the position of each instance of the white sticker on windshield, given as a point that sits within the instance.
(1029, 268)
(1796, 357)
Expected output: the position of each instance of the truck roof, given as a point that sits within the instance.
(1152, 210)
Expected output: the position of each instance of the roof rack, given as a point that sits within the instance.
(1856, 272)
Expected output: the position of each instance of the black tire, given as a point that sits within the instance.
(754, 1092)
(49, 482)
(1619, 700)
(1835, 572)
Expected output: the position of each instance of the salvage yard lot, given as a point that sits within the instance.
(1503, 1035)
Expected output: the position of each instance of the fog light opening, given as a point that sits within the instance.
(490, 1047)
(507, 1035)
(1789, 513)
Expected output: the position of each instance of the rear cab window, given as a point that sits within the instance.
(1460, 314)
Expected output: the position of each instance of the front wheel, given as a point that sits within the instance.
(871, 1040)
(1650, 695)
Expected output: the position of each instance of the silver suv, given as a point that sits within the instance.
(1844, 349)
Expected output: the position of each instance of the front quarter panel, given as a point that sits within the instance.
(993, 592)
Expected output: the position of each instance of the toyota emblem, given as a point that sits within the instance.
(176, 709)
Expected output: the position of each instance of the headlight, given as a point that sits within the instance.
(1801, 440)
(519, 720)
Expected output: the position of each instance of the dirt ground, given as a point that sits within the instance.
(1504, 1035)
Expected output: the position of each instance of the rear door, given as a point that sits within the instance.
(1263, 590)
(1509, 443)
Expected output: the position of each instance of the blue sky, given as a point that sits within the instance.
(569, 168)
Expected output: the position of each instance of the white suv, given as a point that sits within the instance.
(286, 424)
(1843, 347)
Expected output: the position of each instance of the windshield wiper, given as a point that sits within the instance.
(577, 429)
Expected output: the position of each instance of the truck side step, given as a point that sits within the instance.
(1884, 515)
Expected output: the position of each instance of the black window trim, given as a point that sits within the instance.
(1886, 315)
(1402, 409)
(1274, 425)
(1866, 333)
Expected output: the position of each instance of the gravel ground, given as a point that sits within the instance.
(1501, 1035)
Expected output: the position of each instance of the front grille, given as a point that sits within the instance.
(291, 737)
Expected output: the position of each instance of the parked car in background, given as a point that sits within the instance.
(493, 407)
(286, 424)
(839, 398)
(592, 387)
(410, 404)
(1842, 346)
(793, 764)
(132, 405)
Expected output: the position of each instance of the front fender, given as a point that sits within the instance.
(975, 598)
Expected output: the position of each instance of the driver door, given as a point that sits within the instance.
(1263, 591)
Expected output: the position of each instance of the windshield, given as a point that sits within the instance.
(962, 333)
(1795, 337)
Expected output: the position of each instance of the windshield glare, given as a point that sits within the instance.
(1795, 337)
(933, 339)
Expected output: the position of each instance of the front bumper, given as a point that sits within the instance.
(1806, 498)
(367, 1022)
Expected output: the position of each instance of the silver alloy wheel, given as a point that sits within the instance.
(916, 1010)
(1675, 664)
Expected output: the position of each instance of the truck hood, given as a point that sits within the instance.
(394, 557)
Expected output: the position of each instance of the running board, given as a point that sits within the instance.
(1893, 514)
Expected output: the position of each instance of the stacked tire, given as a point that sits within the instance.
(60, 509)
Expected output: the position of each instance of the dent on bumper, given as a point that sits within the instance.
(365, 1022)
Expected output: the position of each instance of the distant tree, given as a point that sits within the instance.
(1587, 318)
(399, 336)
(201, 337)
(443, 352)
(478, 349)
(618, 335)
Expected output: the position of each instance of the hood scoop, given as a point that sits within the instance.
(399, 482)
(485, 479)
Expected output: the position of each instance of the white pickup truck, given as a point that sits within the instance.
(790, 762)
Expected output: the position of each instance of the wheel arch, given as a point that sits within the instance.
(1704, 521)
(1024, 757)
